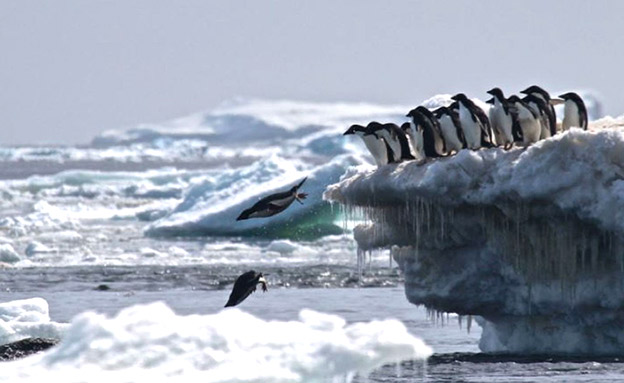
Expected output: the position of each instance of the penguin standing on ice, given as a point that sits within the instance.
(451, 129)
(526, 121)
(550, 111)
(501, 118)
(474, 123)
(245, 285)
(395, 138)
(375, 145)
(275, 203)
(540, 107)
(432, 141)
(574, 111)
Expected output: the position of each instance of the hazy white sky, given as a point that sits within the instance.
(70, 69)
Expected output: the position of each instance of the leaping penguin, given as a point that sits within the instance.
(574, 111)
(550, 110)
(275, 203)
(474, 122)
(451, 129)
(432, 141)
(245, 285)
(375, 145)
(501, 118)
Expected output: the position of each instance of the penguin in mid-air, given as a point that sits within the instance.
(375, 145)
(501, 118)
(245, 285)
(474, 123)
(425, 122)
(275, 203)
(526, 121)
(544, 95)
(574, 111)
(451, 129)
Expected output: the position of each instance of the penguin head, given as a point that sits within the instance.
(374, 128)
(424, 111)
(354, 129)
(459, 97)
(490, 101)
(440, 111)
(405, 126)
(496, 92)
(411, 113)
(536, 89)
(570, 96)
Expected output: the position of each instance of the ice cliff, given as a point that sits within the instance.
(530, 241)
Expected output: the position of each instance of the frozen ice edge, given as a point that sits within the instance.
(529, 240)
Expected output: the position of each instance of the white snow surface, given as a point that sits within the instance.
(510, 236)
(27, 318)
(151, 342)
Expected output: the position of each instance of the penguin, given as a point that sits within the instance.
(501, 118)
(526, 121)
(474, 123)
(275, 203)
(395, 139)
(245, 285)
(574, 111)
(540, 107)
(432, 142)
(552, 116)
(451, 129)
(374, 144)
(414, 133)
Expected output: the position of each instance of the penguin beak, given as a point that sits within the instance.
(490, 101)
(556, 101)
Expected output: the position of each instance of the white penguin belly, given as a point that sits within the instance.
(530, 126)
(394, 144)
(501, 122)
(472, 130)
(416, 138)
(570, 115)
(377, 148)
(449, 133)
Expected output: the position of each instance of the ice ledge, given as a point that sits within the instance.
(530, 240)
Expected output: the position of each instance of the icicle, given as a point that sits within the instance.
(469, 323)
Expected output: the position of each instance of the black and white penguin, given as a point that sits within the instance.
(375, 145)
(451, 129)
(552, 116)
(245, 285)
(275, 203)
(474, 123)
(525, 120)
(541, 108)
(397, 133)
(432, 141)
(501, 118)
(574, 111)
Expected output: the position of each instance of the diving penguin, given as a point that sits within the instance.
(574, 111)
(245, 285)
(273, 204)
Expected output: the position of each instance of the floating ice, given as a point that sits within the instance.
(530, 240)
(8, 254)
(148, 342)
(27, 318)
(37, 248)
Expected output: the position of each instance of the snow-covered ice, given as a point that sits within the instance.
(27, 318)
(530, 240)
(151, 342)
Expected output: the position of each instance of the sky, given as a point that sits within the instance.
(72, 69)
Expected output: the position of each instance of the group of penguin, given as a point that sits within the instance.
(464, 125)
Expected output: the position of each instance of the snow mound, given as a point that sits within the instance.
(530, 240)
(146, 342)
(211, 208)
(27, 318)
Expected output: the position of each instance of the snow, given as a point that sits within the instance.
(510, 236)
(147, 342)
(27, 318)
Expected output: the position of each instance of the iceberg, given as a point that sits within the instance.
(528, 240)
(152, 342)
